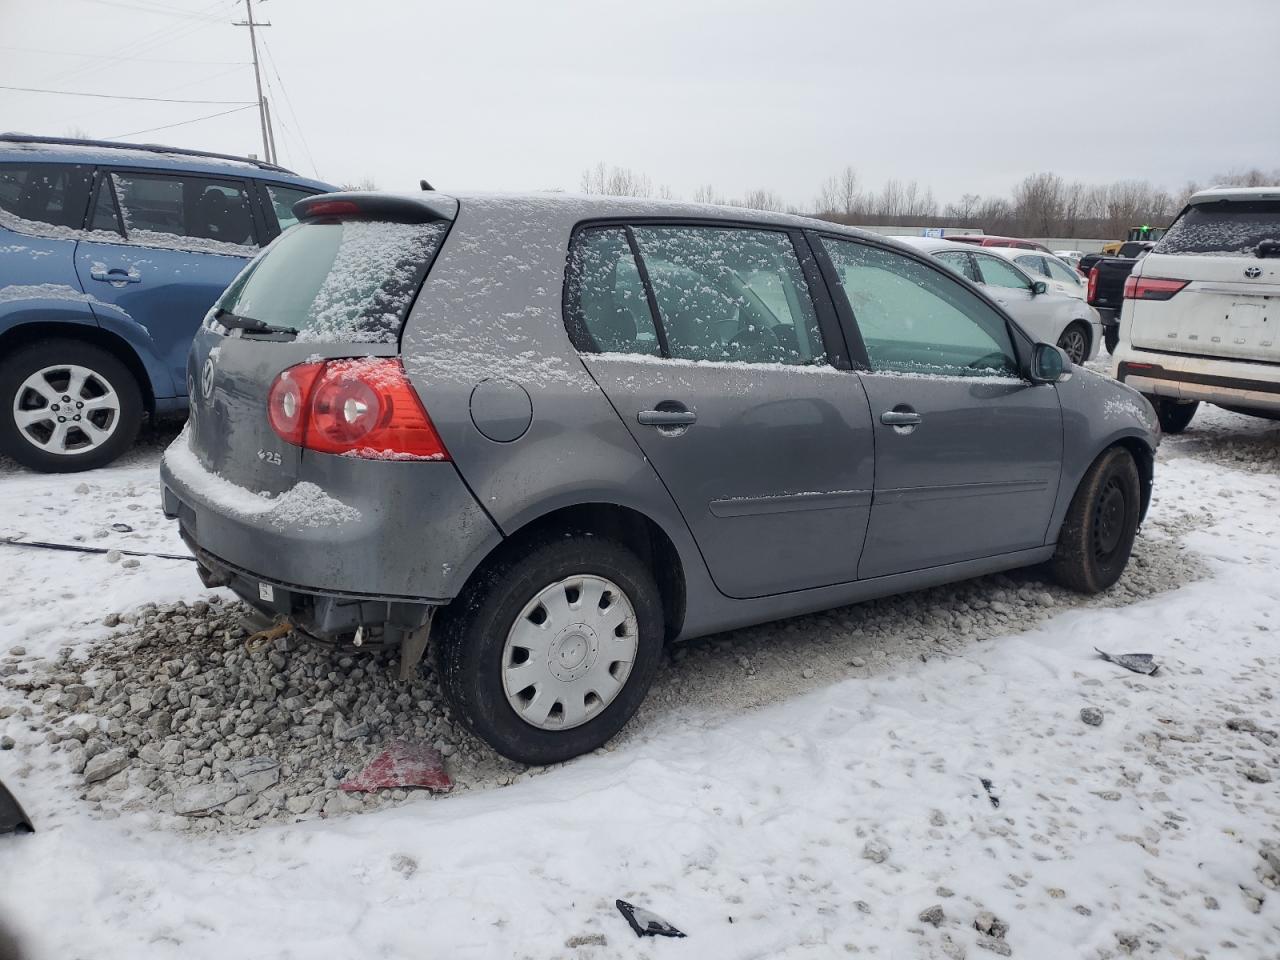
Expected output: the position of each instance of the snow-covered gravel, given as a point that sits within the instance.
(807, 788)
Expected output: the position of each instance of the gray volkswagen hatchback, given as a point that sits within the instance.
(553, 433)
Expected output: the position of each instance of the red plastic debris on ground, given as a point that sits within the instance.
(403, 764)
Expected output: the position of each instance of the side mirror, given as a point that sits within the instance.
(1049, 364)
(1038, 287)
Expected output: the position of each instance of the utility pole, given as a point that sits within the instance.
(264, 116)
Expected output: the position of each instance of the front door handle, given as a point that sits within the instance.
(115, 274)
(667, 418)
(901, 418)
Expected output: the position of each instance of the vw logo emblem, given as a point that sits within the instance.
(206, 379)
(1253, 273)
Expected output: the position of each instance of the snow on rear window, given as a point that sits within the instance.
(1225, 227)
(344, 282)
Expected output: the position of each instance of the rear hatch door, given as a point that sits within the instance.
(333, 286)
(1230, 306)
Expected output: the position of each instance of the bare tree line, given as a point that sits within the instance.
(1041, 205)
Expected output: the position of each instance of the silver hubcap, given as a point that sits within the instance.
(66, 409)
(1073, 342)
(569, 652)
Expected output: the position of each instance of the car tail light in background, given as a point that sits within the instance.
(361, 408)
(1151, 288)
(1093, 285)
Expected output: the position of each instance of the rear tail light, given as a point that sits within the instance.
(360, 408)
(1151, 288)
(1093, 285)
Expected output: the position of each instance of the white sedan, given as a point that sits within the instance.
(1046, 312)
(1045, 266)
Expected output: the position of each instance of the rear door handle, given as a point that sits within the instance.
(115, 274)
(900, 418)
(667, 418)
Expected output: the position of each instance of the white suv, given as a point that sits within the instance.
(1201, 314)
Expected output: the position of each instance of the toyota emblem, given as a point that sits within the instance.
(206, 379)
(1253, 273)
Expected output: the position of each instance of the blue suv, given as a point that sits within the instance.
(110, 256)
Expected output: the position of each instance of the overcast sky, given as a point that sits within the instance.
(524, 94)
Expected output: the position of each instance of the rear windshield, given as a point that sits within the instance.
(338, 282)
(1231, 227)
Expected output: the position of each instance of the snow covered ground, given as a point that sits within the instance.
(805, 788)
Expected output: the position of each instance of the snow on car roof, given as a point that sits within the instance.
(577, 207)
(1235, 193)
(932, 244)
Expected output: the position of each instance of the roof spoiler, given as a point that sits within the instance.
(419, 208)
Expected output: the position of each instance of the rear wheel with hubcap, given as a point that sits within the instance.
(549, 653)
(1098, 533)
(67, 406)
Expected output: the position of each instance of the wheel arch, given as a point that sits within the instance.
(630, 527)
(1145, 458)
(24, 334)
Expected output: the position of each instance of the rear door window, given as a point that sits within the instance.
(184, 211)
(1001, 273)
(1062, 272)
(56, 194)
(958, 260)
(1033, 264)
(349, 281)
(731, 294)
(1223, 227)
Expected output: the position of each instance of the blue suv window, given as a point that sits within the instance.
(282, 200)
(53, 193)
(159, 207)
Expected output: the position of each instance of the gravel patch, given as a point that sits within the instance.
(176, 715)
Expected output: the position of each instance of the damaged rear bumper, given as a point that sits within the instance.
(324, 614)
(404, 540)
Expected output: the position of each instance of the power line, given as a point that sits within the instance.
(112, 96)
(181, 123)
(275, 68)
(181, 14)
(99, 56)
(147, 42)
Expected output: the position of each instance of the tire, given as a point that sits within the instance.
(1174, 415)
(477, 649)
(1111, 337)
(30, 380)
(1101, 524)
(1075, 340)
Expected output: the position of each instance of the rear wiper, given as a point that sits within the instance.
(1268, 248)
(233, 321)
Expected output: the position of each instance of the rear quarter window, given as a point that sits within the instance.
(1224, 227)
(350, 281)
(55, 194)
